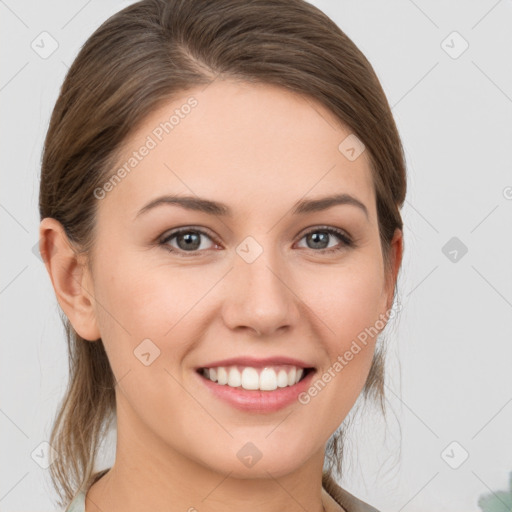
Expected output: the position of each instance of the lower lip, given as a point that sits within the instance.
(257, 400)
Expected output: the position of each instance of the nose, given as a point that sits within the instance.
(260, 296)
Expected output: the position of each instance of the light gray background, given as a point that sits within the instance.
(450, 353)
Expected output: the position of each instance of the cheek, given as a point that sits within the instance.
(348, 299)
(347, 313)
(140, 302)
(348, 303)
(358, 305)
(140, 324)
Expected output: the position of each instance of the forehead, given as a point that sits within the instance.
(249, 144)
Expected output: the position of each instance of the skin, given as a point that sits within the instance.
(259, 149)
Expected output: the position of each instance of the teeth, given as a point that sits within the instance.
(282, 379)
(234, 378)
(249, 378)
(222, 375)
(264, 379)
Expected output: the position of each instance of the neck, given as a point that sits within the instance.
(130, 491)
(148, 474)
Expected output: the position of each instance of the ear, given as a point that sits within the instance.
(396, 253)
(70, 278)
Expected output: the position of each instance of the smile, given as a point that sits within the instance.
(268, 378)
(257, 390)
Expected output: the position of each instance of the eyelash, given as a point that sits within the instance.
(346, 241)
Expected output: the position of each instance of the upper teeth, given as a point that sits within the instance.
(265, 379)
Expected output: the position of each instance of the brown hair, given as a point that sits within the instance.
(142, 57)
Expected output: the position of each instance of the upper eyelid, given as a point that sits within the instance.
(184, 229)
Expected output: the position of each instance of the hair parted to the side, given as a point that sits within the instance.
(144, 56)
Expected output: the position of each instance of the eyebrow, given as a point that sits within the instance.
(220, 209)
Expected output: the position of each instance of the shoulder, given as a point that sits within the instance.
(346, 500)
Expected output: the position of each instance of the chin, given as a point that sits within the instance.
(256, 459)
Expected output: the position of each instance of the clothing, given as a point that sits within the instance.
(78, 504)
(348, 501)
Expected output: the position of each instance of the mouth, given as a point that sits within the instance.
(250, 378)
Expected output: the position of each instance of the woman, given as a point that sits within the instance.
(220, 193)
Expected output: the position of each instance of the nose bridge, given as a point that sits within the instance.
(260, 297)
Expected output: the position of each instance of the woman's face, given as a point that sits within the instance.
(264, 281)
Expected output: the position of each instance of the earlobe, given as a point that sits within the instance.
(69, 277)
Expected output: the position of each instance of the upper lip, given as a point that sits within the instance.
(257, 362)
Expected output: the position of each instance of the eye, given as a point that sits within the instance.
(188, 240)
(318, 242)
